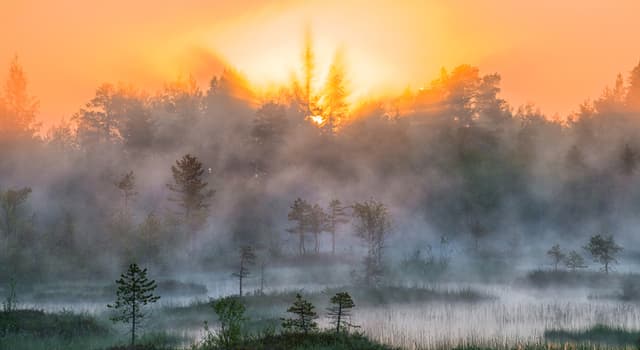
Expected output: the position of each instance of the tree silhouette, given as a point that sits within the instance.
(317, 224)
(574, 261)
(247, 259)
(299, 213)
(192, 193)
(135, 291)
(629, 160)
(17, 109)
(340, 311)
(11, 202)
(303, 322)
(334, 96)
(372, 225)
(556, 255)
(126, 184)
(336, 216)
(603, 250)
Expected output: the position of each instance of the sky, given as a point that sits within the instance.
(554, 54)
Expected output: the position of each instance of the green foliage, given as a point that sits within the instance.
(247, 259)
(11, 202)
(603, 250)
(574, 261)
(598, 334)
(303, 322)
(340, 311)
(336, 215)
(556, 255)
(37, 323)
(372, 224)
(230, 311)
(190, 188)
(299, 213)
(135, 291)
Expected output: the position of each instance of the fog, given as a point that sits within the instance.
(474, 191)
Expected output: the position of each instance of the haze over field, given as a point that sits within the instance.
(265, 167)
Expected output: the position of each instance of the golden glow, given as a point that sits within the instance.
(552, 53)
(317, 119)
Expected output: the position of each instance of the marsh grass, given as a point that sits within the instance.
(598, 334)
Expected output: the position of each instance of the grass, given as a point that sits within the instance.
(323, 340)
(576, 279)
(39, 330)
(40, 324)
(598, 334)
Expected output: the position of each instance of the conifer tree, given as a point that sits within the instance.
(247, 258)
(299, 213)
(335, 216)
(340, 311)
(135, 291)
(556, 255)
(303, 322)
(189, 186)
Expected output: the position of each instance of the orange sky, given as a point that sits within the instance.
(551, 53)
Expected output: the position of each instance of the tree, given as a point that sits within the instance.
(135, 291)
(335, 94)
(247, 259)
(372, 225)
(633, 93)
(17, 109)
(574, 261)
(192, 193)
(126, 184)
(303, 322)
(10, 302)
(230, 311)
(340, 310)
(335, 216)
(603, 250)
(317, 224)
(308, 72)
(11, 202)
(299, 213)
(556, 255)
(629, 160)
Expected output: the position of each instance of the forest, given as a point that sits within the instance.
(437, 194)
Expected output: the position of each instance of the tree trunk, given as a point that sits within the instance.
(316, 246)
(133, 328)
(339, 317)
(333, 242)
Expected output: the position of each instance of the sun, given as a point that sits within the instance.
(316, 119)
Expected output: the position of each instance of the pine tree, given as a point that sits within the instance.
(192, 193)
(135, 291)
(126, 184)
(574, 261)
(335, 95)
(317, 224)
(372, 225)
(247, 259)
(335, 216)
(299, 213)
(18, 109)
(603, 250)
(303, 322)
(340, 311)
(556, 255)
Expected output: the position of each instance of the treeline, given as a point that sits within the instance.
(452, 159)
